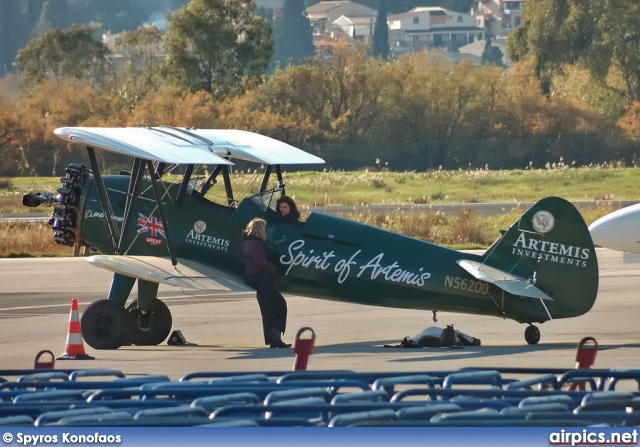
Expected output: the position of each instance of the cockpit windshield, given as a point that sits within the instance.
(267, 200)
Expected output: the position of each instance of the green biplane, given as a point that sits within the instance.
(155, 227)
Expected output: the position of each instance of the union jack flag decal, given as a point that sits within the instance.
(150, 225)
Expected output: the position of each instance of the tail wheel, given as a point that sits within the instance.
(105, 325)
(532, 334)
(151, 327)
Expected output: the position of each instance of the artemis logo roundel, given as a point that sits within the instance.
(199, 227)
(543, 221)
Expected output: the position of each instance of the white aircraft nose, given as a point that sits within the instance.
(605, 231)
(619, 230)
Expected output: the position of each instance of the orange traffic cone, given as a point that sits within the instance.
(74, 350)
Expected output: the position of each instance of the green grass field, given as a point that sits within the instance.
(319, 188)
(464, 231)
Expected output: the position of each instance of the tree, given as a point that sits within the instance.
(341, 94)
(67, 54)
(293, 35)
(217, 46)
(380, 44)
(553, 32)
(9, 137)
(615, 48)
(491, 54)
(13, 33)
(174, 107)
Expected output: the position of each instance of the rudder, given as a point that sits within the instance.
(551, 246)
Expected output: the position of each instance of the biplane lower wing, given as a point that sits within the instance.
(187, 274)
(506, 281)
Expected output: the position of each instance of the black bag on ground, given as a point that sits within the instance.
(430, 341)
(448, 337)
(407, 342)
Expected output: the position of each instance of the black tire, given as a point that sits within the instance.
(105, 325)
(532, 334)
(158, 329)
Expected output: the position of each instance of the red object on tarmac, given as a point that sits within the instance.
(74, 349)
(303, 349)
(585, 357)
(42, 364)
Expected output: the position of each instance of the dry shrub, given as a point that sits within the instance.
(28, 240)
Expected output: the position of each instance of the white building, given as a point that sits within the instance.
(323, 15)
(497, 16)
(432, 27)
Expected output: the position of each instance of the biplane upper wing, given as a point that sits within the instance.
(255, 147)
(506, 281)
(176, 145)
(144, 142)
(187, 274)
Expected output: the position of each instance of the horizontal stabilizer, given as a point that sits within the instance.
(506, 281)
(187, 274)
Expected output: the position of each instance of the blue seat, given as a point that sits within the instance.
(179, 411)
(224, 374)
(426, 412)
(615, 375)
(542, 382)
(34, 408)
(296, 393)
(550, 407)
(380, 395)
(470, 403)
(345, 420)
(210, 403)
(563, 399)
(490, 377)
(53, 416)
(244, 378)
(94, 419)
(389, 383)
(44, 377)
(75, 375)
(16, 421)
(607, 400)
(56, 395)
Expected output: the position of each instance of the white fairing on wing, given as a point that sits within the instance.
(188, 146)
(619, 230)
(187, 274)
(506, 281)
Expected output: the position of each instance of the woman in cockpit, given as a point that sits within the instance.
(287, 209)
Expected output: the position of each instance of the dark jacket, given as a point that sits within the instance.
(256, 261)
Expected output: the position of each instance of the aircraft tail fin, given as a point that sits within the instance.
(550, 246)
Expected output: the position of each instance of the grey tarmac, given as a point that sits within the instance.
(35, 303)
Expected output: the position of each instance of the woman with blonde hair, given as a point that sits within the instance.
(259, 275)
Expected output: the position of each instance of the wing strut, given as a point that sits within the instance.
(208, 183)
(184, 185)
(137, 173)
(265, 178)
(165, 223)
(104, 199)
(280, 179)
(227, 185)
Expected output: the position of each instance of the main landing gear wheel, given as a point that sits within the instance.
(105, 325)
(532, 334)
(151, 327)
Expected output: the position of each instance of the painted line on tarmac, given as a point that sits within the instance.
(175, 297)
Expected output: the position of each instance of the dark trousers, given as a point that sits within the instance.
(273, 307)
